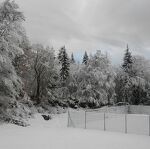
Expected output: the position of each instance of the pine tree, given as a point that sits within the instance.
(127, 76)
(127, 64)
(72, 58)
(65, 65)
(85, 58)
(60, 53)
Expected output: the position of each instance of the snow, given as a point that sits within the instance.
(54, 134)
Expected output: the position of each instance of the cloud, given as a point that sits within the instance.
(90, 25)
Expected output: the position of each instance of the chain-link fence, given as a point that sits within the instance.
(126, 123)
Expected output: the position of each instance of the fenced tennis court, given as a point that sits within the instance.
(126, 123)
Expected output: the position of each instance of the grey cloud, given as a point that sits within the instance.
(90, 24)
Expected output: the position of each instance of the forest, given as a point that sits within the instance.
(38, 77)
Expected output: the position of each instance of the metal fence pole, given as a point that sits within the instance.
(104, 123)
(149, 125)
(125, 123)
(68, 119)
(85, 119)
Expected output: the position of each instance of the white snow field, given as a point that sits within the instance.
(54, 134)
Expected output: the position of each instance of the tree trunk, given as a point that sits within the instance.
(38, 91)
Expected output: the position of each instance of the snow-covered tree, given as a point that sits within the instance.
(9, 16)
(43, 66)
(141, 67)
(141, 89)
(85, 58)
(12, 36)
(127, 63)
(124, 79)
(65, 64)
(94, 82)
(72, 58)
(132, 82)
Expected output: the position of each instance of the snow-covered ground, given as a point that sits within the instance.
(54, 134)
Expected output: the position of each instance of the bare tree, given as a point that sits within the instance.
(43, 67)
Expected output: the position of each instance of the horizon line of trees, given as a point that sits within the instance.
(59, 80)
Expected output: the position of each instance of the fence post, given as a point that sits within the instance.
(149, 125)
(68, 119)
(125, 123)
(104, 122)
(85, 119)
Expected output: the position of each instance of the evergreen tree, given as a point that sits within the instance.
(72, 58)
(127, 64)
(65, 65)
(127, 76)
(85, 58)
(60, 54)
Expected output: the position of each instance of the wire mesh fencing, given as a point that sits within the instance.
(126, 123)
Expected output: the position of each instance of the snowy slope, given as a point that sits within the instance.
(54, 134)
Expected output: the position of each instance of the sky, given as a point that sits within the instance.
(90, 25)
